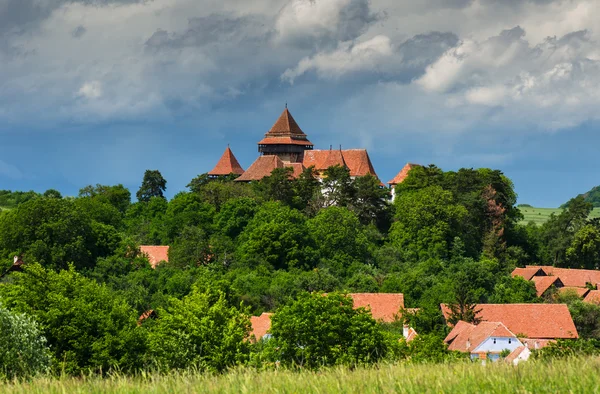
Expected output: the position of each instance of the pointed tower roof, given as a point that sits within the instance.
(285, 131)
(227, 164)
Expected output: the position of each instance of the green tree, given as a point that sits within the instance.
(277, 236)
(87, 325)
(337, 187)
(52, 193)
(306, 188)
(185, 210)
(427, 221)
(319, 330)
(515, 290)
(279, 186)
(200, 331)
(153, 185)
(191, 248)
(118, 196)
(584, 251)
(235, 215)
(371, 202)
(23, 350)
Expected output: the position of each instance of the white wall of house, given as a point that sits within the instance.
(497, 345)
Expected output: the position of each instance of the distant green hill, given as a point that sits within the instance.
(541, 215)
(592, 196)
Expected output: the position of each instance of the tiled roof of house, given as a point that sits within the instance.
(357, 161)
(227, 164)
(383, 306)
(285, 131)
(543, 283)
(535, 344)
(580, 291)
(334, 157)
(149, 314)
(401, 176)
(514, 354)
(593, 297)
(466, 337)
(155, 254)
(260, 325)
(539, 321)
(572, 277)
(262, 167)
(412, 334)
(528, 273)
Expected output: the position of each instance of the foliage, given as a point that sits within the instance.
(200, 331)
(12, 199)
(23, 350)
(318, 330)
(153, 185)
(87, 325)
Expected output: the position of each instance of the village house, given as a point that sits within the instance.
(155, 254)
(547, 278)
(484, 341)
(384, 307)
(400, 177)
(531, 321)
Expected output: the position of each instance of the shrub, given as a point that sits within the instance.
(322, 330)
(23, 350)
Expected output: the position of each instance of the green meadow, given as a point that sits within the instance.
(541, 215)
(580, 375)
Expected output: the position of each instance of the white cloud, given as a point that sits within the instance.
(347, 58)
(91, 90)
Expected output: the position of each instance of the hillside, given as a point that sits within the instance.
(592, 196)
(541, 215)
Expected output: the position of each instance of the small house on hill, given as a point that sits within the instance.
(534, 321)
(155, 254)
(261, 325)
(484, 341)
(563, 279)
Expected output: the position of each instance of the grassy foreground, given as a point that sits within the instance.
(580, 375)
(541, 215)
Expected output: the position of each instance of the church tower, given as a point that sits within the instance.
(285, 140)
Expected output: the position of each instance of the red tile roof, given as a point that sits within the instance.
(383, 306)
(572, 277)
(543, 283)
(262, 167)
(528, 273)
(286, 127)
(466, 337)
(536, 321)
(514, 354)
(155, 254)
(334, 157)
(357, 161)
(260, 325)
(536, 344)
(580, 291)
(401, 176)
(227, 164)
(593, 297)
(149, 314)
(411, 334)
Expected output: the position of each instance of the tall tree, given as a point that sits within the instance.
(153, 185)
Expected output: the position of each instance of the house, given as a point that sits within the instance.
(155, 254)
(400, 177)
(383, 307)
(577, 281)
(534, 321)
(260, 326)
(484, 341)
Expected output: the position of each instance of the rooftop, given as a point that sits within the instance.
(383, 306)
(536, 321)
(466, 337)
(401, 176)
(155, 254)
(226, 165)
(260, 325)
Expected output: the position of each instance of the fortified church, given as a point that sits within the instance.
(286, 145)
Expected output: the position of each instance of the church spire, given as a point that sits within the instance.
(227, 164)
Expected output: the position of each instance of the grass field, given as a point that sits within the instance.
(541, 215)
(580, 375)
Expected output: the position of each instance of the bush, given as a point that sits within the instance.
(322, 330)
(23, 350)
(200, 331)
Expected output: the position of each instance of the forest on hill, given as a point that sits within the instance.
(592, 196)
(239, 249)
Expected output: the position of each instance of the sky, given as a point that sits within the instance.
(98, 91)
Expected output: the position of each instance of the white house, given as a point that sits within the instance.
(485, 341)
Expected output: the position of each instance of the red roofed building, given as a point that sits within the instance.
(155, 254)
(260, 325)
(485, 340)
(592, 297)
(383, 306)
(286, 145)
(535, 321)
(563, 278)
(400, 177)
(227, 164)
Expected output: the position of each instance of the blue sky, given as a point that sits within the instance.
(97, 91)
